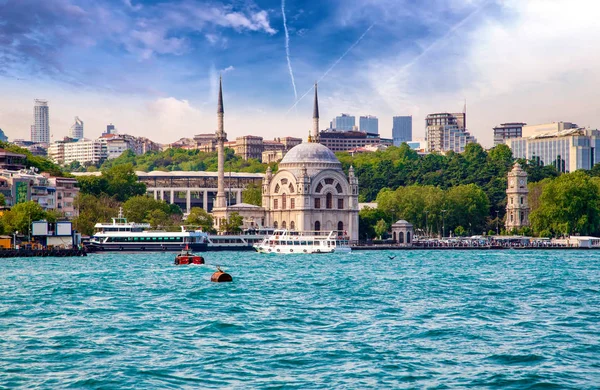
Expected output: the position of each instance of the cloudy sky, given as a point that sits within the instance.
(151, 67)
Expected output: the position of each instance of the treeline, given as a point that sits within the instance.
(178, 160)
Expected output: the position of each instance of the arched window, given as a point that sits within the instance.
(283, 225)
(292, 225)
(284, 181)
(338, 188)
(329, 181)
(408, 237)
(317, 226)
(277, 189)
(283, 202)
(275, 224)
(319, 188)
(291, 188)
(401, 237)
(394, 236)
(329, 201)
(340, 228)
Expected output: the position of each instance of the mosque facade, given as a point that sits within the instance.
(309, 192)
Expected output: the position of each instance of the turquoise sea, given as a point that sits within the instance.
(426, 319)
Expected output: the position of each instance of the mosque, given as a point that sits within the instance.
(310, 191)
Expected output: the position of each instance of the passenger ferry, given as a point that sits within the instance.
(284, 241)
(121, 235)
(244, 241)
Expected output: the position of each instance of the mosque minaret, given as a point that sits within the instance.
(221, 137)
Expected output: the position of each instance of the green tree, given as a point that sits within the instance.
(2, 200)
(122, 182)
(198, 217)
(568, 205)
(139, 208)
(381, 228)
(92, 210)
(467, 205)
(367, 219)
(459, 231)
(234, 223)
(20, 217)
(158, 218)
(252, 194)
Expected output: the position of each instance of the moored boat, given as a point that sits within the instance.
(121, 235)
(285, 241)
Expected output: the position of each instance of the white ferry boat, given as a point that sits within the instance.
(284, 241)
(244, 241)
(121, 235)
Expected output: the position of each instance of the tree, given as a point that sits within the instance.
(139, 208)
(158, 218)
(459, 231)
(367, 219)
(92, 185)
(234, 223)
(569, 204)
(198, 217)
(20, 217)
(252, 194)
(2, 200)
(467, 205)
(122, 182)
(381, 228)
(92, 210)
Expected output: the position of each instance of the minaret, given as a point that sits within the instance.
(221, 136)
(314, 137)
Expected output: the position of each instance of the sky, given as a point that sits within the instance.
(151, 67)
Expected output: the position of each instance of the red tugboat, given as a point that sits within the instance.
(185, 258)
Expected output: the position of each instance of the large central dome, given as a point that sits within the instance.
(310, 154)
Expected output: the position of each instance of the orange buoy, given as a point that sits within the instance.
(221, 276)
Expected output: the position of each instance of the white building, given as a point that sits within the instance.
(310, 191)
(447, 132)
(84, 151)
(546, 128)
(568, 150)
(76, 131)
(40, 130)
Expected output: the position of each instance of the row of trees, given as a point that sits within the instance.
(178, 160)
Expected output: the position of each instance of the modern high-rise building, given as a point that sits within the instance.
(447, 132)
(76, 131)
(40, 130)
(402, 129)
(369, 124)
(506, 131)
(568, 150)
(344, 122)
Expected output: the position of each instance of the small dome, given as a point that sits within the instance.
(311, 152)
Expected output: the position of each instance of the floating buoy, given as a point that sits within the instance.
(221, 276)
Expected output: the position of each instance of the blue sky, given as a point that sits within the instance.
(151, 67)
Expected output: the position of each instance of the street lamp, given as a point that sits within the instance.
(15, 239)
(443, 225)
(497, 222)
(426, 228)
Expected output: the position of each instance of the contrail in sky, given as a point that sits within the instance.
(333, 66)
(287, 49)
(438, 41)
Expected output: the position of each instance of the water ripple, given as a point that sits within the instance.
(431, 319)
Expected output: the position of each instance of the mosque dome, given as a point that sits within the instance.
(310, 153)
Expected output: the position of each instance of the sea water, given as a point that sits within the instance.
(424, 319)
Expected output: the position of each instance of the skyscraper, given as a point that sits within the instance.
(402, 129)
(447, 132)
(369, 124)
(110, 129)
(344, 122)
(40, 130)
(76, 131)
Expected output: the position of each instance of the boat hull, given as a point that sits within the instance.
(146, 247)
(296, 250)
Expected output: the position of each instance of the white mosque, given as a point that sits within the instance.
(310, 191)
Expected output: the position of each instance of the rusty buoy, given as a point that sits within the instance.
(221, 276)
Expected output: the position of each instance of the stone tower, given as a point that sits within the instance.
(517, 206)
(221, 137)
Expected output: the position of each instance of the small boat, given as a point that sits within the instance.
(185, 258)
(286, 241)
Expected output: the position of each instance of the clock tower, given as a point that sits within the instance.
(517, 206)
